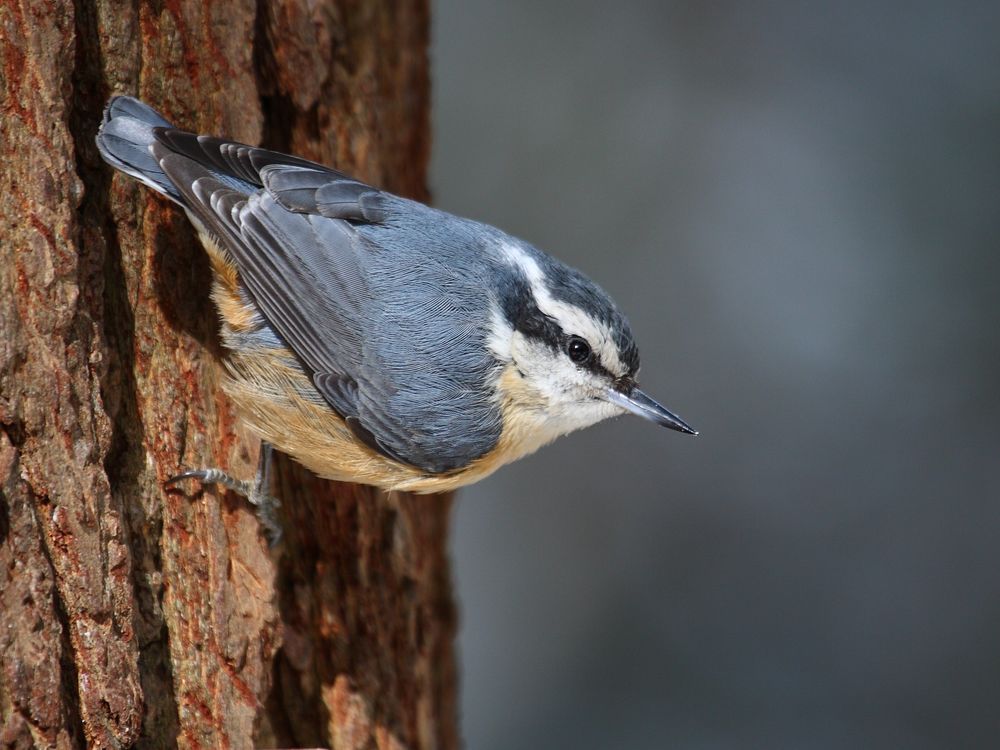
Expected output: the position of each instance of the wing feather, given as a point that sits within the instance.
(360, 305)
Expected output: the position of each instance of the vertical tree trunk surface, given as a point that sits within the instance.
(131, 615)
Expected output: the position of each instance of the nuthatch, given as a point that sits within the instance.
(375, 339)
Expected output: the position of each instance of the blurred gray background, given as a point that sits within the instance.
(798, 206)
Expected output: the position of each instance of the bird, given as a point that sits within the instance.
(375, 339)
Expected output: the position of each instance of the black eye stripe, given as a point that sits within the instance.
(592, 362)
(521, 311)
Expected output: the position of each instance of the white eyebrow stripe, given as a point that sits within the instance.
(571, 318)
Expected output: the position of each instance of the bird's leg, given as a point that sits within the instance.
(257, 492)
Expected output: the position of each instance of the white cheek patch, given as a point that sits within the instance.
(553, 376)
(571, 318)
(562, 396)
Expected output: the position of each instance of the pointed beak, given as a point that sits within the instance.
(639, 403)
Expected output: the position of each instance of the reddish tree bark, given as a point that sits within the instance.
(135, 616)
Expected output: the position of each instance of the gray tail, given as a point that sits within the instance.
(124, 140)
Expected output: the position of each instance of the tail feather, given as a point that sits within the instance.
(124, 140)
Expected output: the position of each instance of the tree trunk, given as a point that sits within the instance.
(131, 615)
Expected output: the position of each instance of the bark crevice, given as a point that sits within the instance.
(69, 704)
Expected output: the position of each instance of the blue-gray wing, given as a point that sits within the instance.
(390, 336)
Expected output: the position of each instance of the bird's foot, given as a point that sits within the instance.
(256, 492)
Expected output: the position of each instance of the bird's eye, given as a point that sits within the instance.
(578, 349)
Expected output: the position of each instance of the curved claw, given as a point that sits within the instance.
(186, 474)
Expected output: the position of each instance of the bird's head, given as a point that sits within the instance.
(571, 360)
